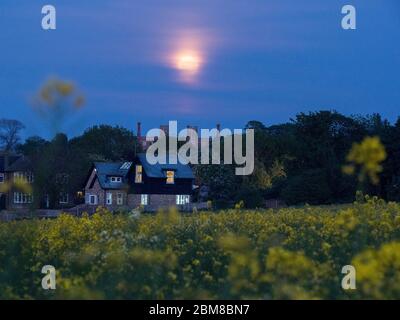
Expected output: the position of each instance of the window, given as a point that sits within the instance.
(64, 198)
(47, 201)
(126, 166)
(182, 199)
(120, 199)
(139, 174)
(116, 179)
(109, 198)
(22, 198)
(24, 176)
(92, 199)
(170, 177)
(1, 177)
(144, 199)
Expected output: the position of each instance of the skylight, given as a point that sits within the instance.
(126, 166)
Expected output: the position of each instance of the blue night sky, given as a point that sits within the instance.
(201, 62)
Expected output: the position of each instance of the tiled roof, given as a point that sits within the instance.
(112, 169)
(182, 171)
(21, 163)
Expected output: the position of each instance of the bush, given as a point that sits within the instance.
(311, 187)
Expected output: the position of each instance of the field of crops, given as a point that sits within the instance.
(285, 254)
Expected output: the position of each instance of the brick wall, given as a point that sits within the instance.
(156, 201)
(102, 195)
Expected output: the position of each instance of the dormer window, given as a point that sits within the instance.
(139, 174)
(116, 179)
(170, 177)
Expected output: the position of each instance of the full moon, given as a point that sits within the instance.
(189, 62)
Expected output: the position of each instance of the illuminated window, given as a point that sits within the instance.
(144, 199)
(139, 174)
(64, 198)
(182, 199)
(109, 198)
(120, 199)
(22, 198)
(170, 177)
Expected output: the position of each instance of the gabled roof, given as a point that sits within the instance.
(112, 169)
(21, 163)
(7, 159)
(182, 171)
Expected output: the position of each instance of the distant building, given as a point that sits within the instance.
(14, 168)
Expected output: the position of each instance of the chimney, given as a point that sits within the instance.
(218, 126)
(139, 130)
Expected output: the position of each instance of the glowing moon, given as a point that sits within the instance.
(189, 62)
(187, 54)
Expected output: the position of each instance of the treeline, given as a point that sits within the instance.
(302, 162)
(296, 162)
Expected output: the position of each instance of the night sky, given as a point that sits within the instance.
(201, 62)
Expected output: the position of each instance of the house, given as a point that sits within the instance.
(138, 183)
(14, 168)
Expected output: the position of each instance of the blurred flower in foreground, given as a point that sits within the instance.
(367, 156)
(56, 100)
(18, 184)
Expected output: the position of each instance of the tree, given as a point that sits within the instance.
(10, 134)
(107, 143)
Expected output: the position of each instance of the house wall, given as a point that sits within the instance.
(102, 194)
(95, 190)
(114, 205)
(156, 201)
(10, 197)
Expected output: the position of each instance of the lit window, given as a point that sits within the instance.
(109, 198)
(139, 174)
(144, 199)
(182, 199)
(64, 198)
(120, 199)
(170, 177)
(22, 198)
(1, 177)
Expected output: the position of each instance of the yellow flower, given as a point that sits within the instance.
(368, 155)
